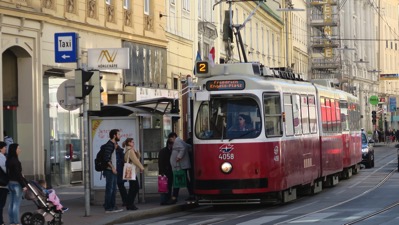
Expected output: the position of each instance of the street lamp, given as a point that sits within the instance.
(374, 71)
(346, 48)
(289, 8)
(361, 61)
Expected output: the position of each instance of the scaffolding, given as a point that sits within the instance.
(323, 22)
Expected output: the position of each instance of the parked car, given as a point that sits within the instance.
(367, 151)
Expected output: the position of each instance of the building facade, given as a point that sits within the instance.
(30, 77)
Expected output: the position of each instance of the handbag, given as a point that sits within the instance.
(162, 184)
(3, 178)
(129, 170)
(179, 178)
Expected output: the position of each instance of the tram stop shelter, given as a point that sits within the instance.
(148, 121)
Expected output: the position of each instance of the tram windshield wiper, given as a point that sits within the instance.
(243, 134)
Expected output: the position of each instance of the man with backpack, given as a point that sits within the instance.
(110, 173)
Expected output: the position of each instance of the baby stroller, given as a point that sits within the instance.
(46, 211)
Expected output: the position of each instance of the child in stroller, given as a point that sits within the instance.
(47, 211)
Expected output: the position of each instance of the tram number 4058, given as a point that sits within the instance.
(225, 156)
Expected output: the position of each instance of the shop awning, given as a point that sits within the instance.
(160, 106)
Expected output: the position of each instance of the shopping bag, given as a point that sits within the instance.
(162, 184)
(129, 172)
(179, 179)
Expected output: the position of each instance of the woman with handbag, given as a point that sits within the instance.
(3, 180)
(120, 160)
(165, 169)
(17, 183)
(132, 156)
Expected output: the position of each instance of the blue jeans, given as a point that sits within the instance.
(110, 190)
(15, 201)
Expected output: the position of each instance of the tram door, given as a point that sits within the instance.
(64, 137)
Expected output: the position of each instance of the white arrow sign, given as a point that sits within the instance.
(65, 56)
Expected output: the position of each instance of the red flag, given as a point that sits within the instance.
(212, 56)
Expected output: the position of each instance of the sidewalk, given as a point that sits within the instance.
(73, 198)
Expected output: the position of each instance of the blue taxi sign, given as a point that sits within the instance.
(66, 47)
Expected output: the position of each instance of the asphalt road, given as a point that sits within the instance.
(370, 197)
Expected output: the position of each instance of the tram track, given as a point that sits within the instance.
(379, 184)
(371, 215)
(358, 220)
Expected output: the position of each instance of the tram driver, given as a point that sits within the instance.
(243, 123)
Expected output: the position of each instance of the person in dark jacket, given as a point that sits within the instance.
(17, 183)
(110, 173)
(165, 169)
(120, 161)
(3, 189)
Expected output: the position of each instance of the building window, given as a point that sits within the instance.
(126, 4)
(186, 5)
(147, 7)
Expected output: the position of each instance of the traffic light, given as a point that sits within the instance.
(227, 31)
(95, 95)
(374, 117)
(175, 106)
(81, 88)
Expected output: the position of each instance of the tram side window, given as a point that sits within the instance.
(296, 107)
(289, 121)
(358, 117)
(312, 114)
(344, 115)
(323, 114)
(202, 122)
(354, 116)
(333, 116)
(328, 107)
(338, 115)
(272, 109)
(305, 114)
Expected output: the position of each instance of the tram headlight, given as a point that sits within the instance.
(365, 150)
(226, 167)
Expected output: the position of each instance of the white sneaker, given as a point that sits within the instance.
(114, 211)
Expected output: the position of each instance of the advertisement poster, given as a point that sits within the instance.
(99, 135)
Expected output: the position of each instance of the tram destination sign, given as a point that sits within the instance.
(224, 85)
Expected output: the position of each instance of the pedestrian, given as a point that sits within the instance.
(3, 189)
(180, 159)
(120, 161)
(190, 138)
(191, 169)
(110, 173)
(8, 140)
(17, 183)
(165, 169)
(132, 155)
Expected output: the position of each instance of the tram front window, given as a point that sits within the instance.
(228, 118)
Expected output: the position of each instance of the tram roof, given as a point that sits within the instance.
(160, 106)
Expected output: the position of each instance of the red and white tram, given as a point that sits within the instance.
(297, 135)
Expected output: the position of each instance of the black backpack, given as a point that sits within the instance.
(99, 163)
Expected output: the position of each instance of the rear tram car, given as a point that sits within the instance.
(264, 135)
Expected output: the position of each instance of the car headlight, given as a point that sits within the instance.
(365, 150)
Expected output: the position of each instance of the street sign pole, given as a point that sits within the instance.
(87, 157)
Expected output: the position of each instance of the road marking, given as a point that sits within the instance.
(313, 218)
(261, 220)
(207, 221)
(164, 222)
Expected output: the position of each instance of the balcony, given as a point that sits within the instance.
(323, 2)
(321, 20)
